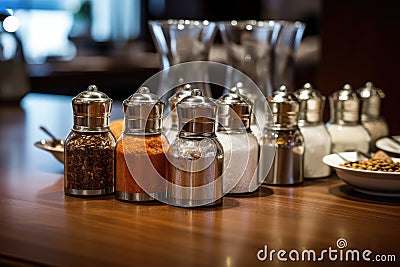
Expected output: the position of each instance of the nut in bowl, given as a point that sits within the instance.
(375, 182)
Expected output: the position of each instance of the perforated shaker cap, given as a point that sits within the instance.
(234, 111)
(371, 99)
(284, 107)
(345, 106)
(143, 112)
(91, 109)
(196, 114)
(311, 105)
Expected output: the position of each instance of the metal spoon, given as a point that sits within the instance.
(365, 155)
(54, 140)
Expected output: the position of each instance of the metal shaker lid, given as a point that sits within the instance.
(284, 107)
(143, 112)
(92, 110)
(196, 113)
(371, 98)
(345, 106)
(311, 105)
(234, 111)
(181, 92)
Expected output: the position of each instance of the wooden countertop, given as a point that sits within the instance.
(39, 225)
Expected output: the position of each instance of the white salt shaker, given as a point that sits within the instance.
(344, 126)
(239, 144)
(371, 119)
(317, 140)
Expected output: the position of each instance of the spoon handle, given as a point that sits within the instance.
(363, 154)
(44, 129)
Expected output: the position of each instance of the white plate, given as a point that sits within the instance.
(370, 182)
(388, 145)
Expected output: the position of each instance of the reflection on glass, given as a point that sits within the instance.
(250, 46)
(288, 42)
(179, 41)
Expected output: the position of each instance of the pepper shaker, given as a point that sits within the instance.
(238, 142)
(89, 147)
(195, 158)
(344, 126)
(371, 119)
(317, 141)
(282, 135)
(140, 157)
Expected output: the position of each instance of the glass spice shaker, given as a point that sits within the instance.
(376, 125)
(317, 140)
(344, 125)
(89, 147)
(282, 134)
(196, 156)
(238, 142)
(140, 158)
(181, 92)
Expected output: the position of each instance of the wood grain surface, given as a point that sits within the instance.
(39, 225)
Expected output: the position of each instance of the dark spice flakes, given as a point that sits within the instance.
(89, 159)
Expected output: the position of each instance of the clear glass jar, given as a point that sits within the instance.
(179, 41)
(238, 142)
(195, 158)
(250, 47)
(345, 128)
(317, 141)
(371, 99)
(349, 138)
(140, 158)
(285, 51)
(89, 147)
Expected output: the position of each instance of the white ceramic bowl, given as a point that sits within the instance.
(370, 182)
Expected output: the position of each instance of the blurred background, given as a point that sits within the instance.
(65, 45)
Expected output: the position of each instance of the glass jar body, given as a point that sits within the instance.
(317, 143)
(349, 137)
(240, 146)
(195, 166)
(377, 128)
(89, 163)
(140, 167)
